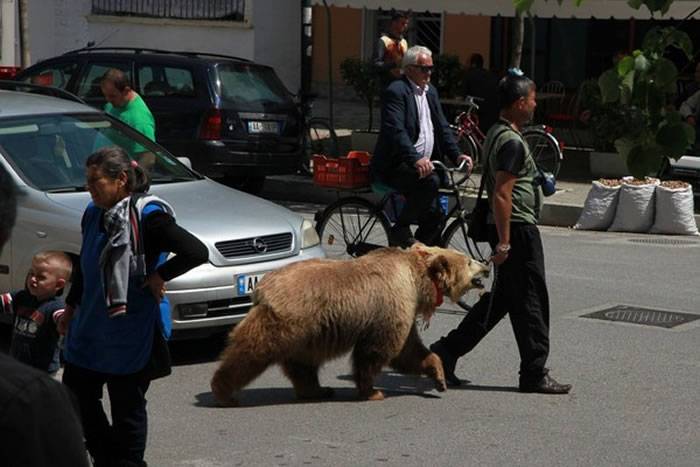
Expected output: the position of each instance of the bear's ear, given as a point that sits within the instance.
(438, 270)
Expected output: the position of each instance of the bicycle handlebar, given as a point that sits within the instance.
(459, 168)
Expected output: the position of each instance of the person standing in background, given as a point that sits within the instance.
(126, 105)
(391, 48)
(482, 83)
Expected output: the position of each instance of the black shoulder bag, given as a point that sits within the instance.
(477, 223)
(160, 363)
(478, 227)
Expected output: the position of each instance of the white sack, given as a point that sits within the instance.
(599, 208)
(635, 208)
(674, 211)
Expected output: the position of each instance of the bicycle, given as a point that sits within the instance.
(546, 149)
(353, 225)
(317, 136)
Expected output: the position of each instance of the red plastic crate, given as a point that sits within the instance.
(351, 171)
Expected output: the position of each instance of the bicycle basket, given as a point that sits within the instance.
(351, 171)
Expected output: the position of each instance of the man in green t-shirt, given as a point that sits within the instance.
(520, 287)
(126, 105)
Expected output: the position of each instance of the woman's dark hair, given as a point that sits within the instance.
(512, 87)
(114, 160)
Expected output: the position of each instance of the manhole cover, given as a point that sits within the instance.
(664, 241)
(644, 316)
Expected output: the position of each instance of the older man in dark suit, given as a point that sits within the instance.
(413, 131)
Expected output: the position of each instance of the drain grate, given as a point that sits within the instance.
(643, 316)
(664, 241)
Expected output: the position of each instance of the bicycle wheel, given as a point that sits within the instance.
(467, 145)
(545, 149)
(320, 138)
(455, 237)
(351, 227)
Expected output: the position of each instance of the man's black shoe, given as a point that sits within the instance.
(401, 236)
(547, 385)
(449, 362)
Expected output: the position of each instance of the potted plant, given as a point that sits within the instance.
(365, 78)
(635, 113)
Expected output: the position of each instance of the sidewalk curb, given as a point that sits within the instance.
(555, 214)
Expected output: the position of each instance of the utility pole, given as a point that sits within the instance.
(306, 50)
(24, 32)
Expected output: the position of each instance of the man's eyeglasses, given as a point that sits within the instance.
(424, 68)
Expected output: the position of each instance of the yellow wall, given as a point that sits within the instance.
(464, 35)
(346, 25)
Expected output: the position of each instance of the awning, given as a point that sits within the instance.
(543, 9)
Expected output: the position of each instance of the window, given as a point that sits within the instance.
(50, 151)
(220, 10)
(89, 85)
(54, 75)
(156, 81)
(253, 88)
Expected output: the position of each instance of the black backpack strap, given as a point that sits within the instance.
(486, 166)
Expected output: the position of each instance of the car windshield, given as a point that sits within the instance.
(49, 151)
(253, 88)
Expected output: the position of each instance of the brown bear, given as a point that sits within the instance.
(312, 311)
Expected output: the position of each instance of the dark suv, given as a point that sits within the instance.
(233, 118)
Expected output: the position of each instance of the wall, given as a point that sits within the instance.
(464, 35)
(346, 28)
(271, 34)
(9, 34)
(277, 28)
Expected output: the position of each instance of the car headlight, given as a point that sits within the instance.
(309, 237)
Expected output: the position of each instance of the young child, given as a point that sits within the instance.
(37, 309)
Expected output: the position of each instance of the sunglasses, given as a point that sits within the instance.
(424, 68)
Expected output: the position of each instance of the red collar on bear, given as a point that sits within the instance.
(438, 290)
(438, 294)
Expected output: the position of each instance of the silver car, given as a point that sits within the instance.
(44, 142)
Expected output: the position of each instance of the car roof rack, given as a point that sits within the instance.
(139, 50)
(39, 89)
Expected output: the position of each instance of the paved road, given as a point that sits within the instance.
(635, 398)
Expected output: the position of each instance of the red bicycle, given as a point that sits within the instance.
(546, 149)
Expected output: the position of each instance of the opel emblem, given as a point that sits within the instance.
(259, 245)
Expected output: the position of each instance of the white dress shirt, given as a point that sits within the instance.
(426, 139)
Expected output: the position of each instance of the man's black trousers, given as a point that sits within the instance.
(421, 201)
(520, 291)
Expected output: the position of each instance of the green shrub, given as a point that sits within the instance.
(365, 78)
(447, 75)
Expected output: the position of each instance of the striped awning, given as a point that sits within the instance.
(543, 9)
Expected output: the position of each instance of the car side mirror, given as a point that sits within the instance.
(186, 162)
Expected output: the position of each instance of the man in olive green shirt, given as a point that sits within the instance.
(519, 288)
(126, 105)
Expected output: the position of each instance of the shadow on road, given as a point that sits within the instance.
(392, 384)
(193, 351)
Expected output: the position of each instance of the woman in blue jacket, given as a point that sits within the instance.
(116, 308)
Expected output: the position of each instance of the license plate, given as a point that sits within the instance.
(246, 283)
(263, 127)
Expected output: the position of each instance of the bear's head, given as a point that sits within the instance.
(453, 272)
